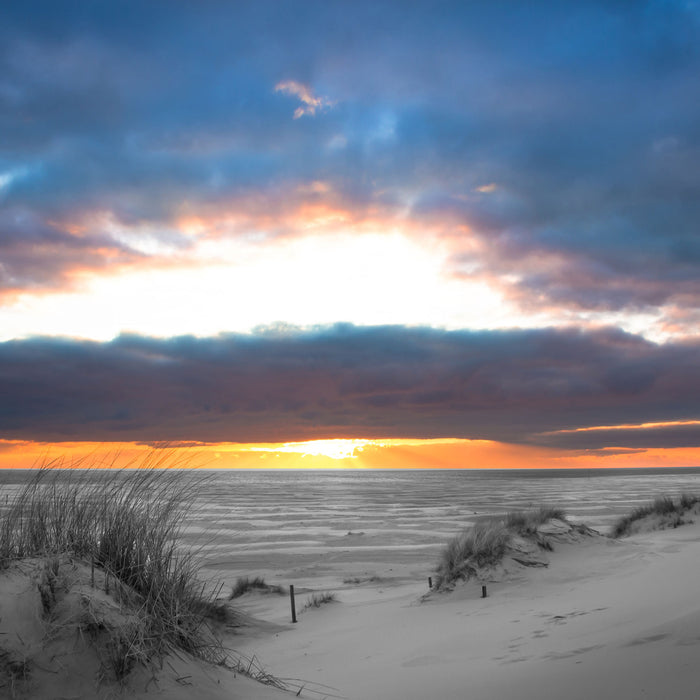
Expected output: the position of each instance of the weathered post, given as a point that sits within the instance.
(293, 603)
(483, 592)
(430, 581)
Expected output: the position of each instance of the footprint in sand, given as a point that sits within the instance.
(560, 619)
(688, 642)
(557, 655)
(429, 660)
(646, 640)
(515, 659)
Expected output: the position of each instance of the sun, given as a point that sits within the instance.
(336, 448)
(319, 454)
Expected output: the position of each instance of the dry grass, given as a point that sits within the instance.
(245, 584)
(316, 600)
(253, 668)
(526, 522)
(687, 500)
(128, 525)
(485, 544)
(14, 674)
(671, 513)
(357, 580)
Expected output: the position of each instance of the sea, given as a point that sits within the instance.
(302, 525)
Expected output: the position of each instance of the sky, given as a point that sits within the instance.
(351, 234)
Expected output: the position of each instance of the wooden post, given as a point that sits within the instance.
(293, 603)
(430, 581)
(92, 571)
(483, 592)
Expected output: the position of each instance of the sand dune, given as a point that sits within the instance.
(605, 619)
(61, 641)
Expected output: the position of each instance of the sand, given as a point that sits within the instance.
(57, 643)
(605, 619)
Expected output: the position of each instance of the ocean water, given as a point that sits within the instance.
(298, 525)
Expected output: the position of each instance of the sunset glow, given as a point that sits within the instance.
(338, 454)
(631, 426)
(332, 449)
(365, 278)
(303, 239)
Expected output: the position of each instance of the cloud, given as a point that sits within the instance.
(352, 382)
(583, 114)
(311, 103)
(42, 255)
(643, 436)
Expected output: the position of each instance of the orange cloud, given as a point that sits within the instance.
(626, 426)
(310, 103)
(288, 212)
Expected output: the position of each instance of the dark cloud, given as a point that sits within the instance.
(347, 381)
(173, 444)
(37, 254)
(584, 114)
(632, 438)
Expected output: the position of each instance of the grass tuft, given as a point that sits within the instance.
(663, 506)
(128, 525)
(316, 600)
(687, 500)
(527, 522)
(485, 543)
(245, 584)
(357, 580)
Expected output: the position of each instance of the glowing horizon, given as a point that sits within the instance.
(448, 453)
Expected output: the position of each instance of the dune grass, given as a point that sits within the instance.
(357, 580)
(669, 510)
(128, 525)
(485, 543)
(245, 584)
(687, 500)
(316, 600)
(526, 522)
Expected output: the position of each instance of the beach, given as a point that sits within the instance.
(606, 619)
(595, 617)
(349, 350)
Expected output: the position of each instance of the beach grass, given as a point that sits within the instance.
(485, 543)
(357, 580)
(245, 584)
(526, 522)
(669, 511)
(316, 600)
(127, 525)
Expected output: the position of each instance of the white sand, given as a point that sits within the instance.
(606, 620)
(64, 655)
